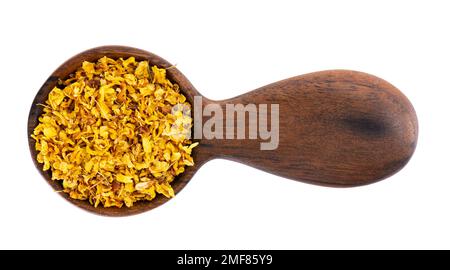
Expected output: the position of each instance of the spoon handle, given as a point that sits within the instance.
(335, 128)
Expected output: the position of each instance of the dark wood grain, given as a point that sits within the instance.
(337, 128)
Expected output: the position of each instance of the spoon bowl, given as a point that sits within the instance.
(336, 128)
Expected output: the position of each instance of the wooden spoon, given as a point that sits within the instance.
(336, 128)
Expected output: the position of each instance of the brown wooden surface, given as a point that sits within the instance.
(337, 128)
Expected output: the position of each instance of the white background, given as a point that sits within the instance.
(227, 49)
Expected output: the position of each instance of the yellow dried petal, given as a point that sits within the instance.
(159, 93)
(159, 75)
(69, 184)
(130, 79)
(188, 162)
(50, 132)
(127, 160)
(88, 67)
(166, 155)
(146, 144)
(124, 178)
(88, 165)
(141, 186)
(104, 110)
(129, 61)
(165, 189)
(172, 99)
(175, 156)
(147, 90)
(142, 70)
(129, 187)
(55, 97)
(104, 131)
(159, 166)
(43, 147)
(193, 145)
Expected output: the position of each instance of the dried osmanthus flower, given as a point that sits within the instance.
(110, 134)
